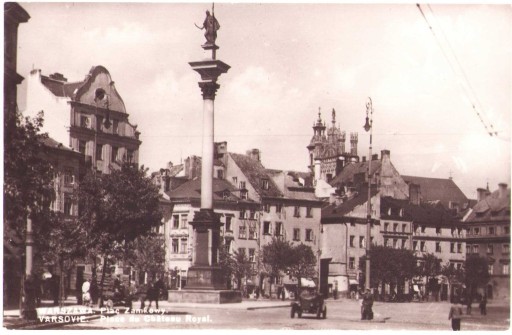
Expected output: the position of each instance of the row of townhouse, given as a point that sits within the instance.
(255, 205)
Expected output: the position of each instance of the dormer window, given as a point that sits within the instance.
(244, 194)
(226, 194)
(265, 184)
(241, 185)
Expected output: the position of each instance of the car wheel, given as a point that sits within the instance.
(292, 314)
(318, 312)
(324, 313)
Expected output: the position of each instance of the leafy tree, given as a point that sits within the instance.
(241, 267)
(117, 208)
(430, 268)
(453, 274)
(476, 273)
(277, 256)
(303, 263)
(389, 265)
(147, 254)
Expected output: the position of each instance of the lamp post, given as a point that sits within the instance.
(368, 127)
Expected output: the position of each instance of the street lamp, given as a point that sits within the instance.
(368, 127)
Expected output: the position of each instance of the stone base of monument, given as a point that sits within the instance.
(205, 284)
(205, 296)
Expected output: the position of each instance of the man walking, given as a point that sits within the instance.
(455, 314)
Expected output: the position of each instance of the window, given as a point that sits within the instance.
(129, 155)
(386, 226)
(183, 246)
(242, 185)
(67, 204)
(404, 227)
(242, 231)
(505, 248)
(489, 268)
(244, 194)
(115, 126)
(476, 248)
(265, 184)
(184, 221)
(386, 242)
(395, 227)
(252, 255)
(452, 247)
(371, 240)
(69, 178)
(459, 248)
(296, 234)
(252, 231)
(309, 234)
(459, 266)
(459, 231)
(506, 230)
(228, 223)
(279, 208)
(99, 151)
(241, 251)
(252, 214)
(416, 229)
(220, 174)
(404, 243)
(175, 221)
(267, 229)
(438, 231)
(415, 245)
(351, 263)
(395, 243)
(242, 214)
(115, 152)
(423, 228)
(352, 237)
(175, 246)
(81, 146)
(85, 121)
(491, 230)
(266, 208)
(490, 249)
(296, 212)
(476, 231)
(361, 242)
(309, 212)
(438, 246)
(99, 123)
(422, 246)
(453, 231)
(468, 249)
(505, 269)
(279, 229)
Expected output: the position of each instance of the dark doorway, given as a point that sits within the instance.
(324, 276)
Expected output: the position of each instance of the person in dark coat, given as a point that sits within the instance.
(366, 307)
(153, 293)
(483, 305)
(455, 314)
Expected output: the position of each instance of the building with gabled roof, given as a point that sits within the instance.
(87, 115)
(487, 227)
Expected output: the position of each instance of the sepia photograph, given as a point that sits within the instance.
(256, 166)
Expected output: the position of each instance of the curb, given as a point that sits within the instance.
(266, 307)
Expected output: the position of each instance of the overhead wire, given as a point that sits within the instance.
(468, 91)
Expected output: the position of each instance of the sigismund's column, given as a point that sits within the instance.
(205, 274)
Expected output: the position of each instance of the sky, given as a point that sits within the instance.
(288, 61)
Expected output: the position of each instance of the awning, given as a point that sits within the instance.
(353, 282)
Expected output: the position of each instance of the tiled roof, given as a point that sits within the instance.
(192, 190)
(50, 142)
(492, 208)
(350, 170)
(394, 209)
(296, 185)
(60, 88)
(444, 190)
(338, 210)
(255, 172)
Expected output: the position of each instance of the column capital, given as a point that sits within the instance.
(209, 89)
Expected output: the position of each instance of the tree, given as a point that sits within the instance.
(277, 257)
(241, 267)
(389, 266)
(303, 263)
(430, 268)
(476, 273)
(453, 275)
(147, 254)
(117, 208)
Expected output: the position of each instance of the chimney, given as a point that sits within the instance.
(375, 157)
(502, 190)
(414, 194)
(481, 193)
(254, 154)
(385, 153)
(58, 76)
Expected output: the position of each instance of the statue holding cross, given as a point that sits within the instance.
(210, 25)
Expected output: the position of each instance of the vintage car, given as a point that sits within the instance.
(309, 302)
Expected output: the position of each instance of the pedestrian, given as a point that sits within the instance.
(94, 290)
(86, 294)
(142, 291)
(153, 293)
(455, 314)
(468, 305)
(483, 305)
(366, 306)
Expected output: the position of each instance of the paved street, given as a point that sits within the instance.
(342, 314)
